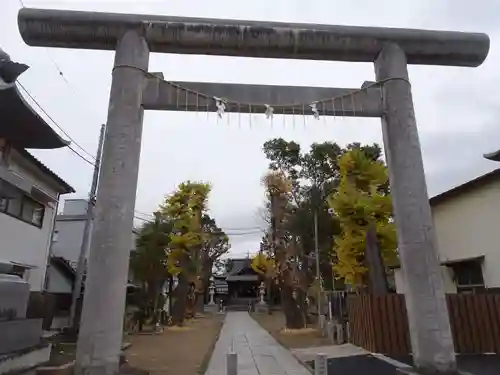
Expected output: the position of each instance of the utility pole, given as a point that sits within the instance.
(80, 268)
(317, 199)
(318, 273)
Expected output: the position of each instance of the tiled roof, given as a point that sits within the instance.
(65, 187)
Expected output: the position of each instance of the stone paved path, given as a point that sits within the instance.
(258, 352)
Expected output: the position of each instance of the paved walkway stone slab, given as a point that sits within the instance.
(258, 352)
(331, 351)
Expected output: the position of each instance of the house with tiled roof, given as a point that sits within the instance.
(29, 190)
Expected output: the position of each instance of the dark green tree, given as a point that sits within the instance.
(314, 175)
(149, 261)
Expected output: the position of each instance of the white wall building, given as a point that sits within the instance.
(466, 221)
(29, 195)
(67, 242)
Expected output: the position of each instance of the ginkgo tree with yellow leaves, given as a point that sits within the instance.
(264, 264)
(185, 208)
(361, 201)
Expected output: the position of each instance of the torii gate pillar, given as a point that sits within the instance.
(425, 298)
(100, 336)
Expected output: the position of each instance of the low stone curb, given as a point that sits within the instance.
(206, 360)
(65, 369)
(301, 361)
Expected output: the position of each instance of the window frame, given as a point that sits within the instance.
(469, 266)
(25, 199)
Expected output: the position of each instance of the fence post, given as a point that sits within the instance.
(321, 364)
(231, 364)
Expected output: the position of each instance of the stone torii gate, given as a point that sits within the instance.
(133, 90)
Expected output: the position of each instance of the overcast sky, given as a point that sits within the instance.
(457, 108)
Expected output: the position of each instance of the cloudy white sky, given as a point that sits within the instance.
(457, 108)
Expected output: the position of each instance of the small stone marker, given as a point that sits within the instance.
(320, 364)
(232, 364)
(211, 292)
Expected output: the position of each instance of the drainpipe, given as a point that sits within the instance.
(49, 245)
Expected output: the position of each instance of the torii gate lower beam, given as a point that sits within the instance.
(181, 96)
(134, 36)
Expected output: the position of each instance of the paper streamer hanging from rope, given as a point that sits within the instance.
(269, 111)
(315, 110)
(222, 103)
(221, 106)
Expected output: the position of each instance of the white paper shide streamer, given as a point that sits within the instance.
(315, 110)
(269, 111)
(221, 106)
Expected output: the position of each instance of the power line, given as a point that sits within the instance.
(59, 70)
(144, 213)
(69, 146)
(243, 228)
(243, 233)
(58, 126)
(246, 232)
(32, 97)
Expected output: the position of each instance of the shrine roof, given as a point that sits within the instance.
(243, 278)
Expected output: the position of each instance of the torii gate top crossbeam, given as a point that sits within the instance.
(92, 30)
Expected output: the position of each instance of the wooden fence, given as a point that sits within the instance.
(380, 324)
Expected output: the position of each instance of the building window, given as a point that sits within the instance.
(14, 207)
(32, 212)
(55, 236)
(3, 204)
(23, 208)
(468, 276)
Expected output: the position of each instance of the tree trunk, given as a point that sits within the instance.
(200, 303)
(269, 297)
(156, 301)
(191, 301)
(293, 308)
(206, 272)
(170, 294)
(180, 304)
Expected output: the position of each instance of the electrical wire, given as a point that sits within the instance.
(226, 231)
(144, 213)
(32, 97)
(69, 146)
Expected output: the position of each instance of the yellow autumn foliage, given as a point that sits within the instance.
(185, 207)
(264, 265)
(358, 202)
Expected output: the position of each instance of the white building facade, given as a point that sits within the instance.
(29, 198)
(466, 222)
(67, 242)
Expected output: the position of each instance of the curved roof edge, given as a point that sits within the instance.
(493, 156)
(21, 125)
